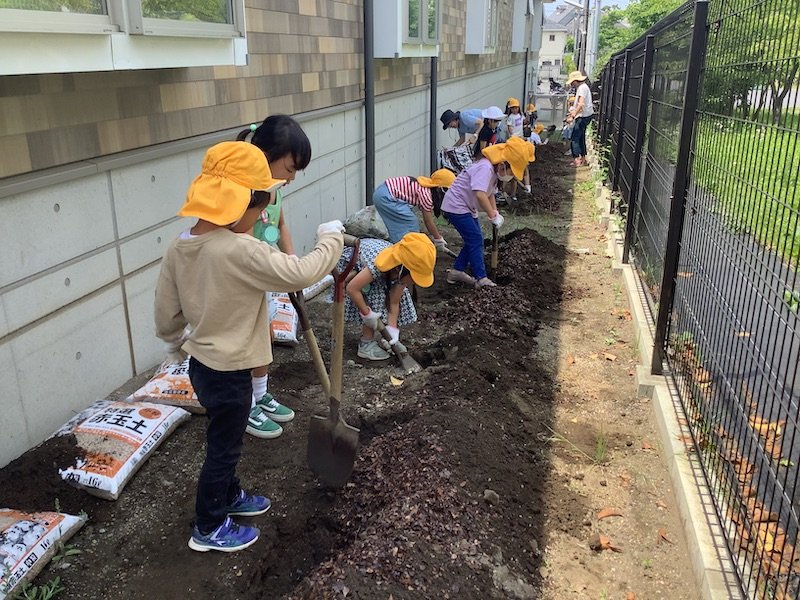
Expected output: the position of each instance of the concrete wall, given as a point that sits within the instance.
(81, 246)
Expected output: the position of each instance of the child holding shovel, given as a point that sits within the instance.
(213, 278)
(288, 150)
(474, 189)
(379, 289)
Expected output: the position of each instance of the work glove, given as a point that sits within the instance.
(335, 226)
(441, 243)
(175, 355)
(497, 220)
(394, 334)
(370, 319)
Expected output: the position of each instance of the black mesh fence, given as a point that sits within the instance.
(703, 149)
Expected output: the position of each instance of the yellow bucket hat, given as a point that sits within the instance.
(415, 252)
(530, 108)
(221, 193)
(516, 152)
(538, 128)
(443, 178)
(512, 102)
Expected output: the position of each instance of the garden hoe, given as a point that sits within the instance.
(332, 443)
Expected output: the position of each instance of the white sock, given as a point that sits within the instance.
(259, 387)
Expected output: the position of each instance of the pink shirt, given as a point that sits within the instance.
(478, 177)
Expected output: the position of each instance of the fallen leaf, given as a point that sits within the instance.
(600, 542)
(573, 420)
(594, 355)
(570, 359)
(662, 535)
(743, 334)
(684, 274)
(661, 504)
(608, 512)
(785, 462)
(609, 356)
(646, 446)
(395, 381)
(630, 596)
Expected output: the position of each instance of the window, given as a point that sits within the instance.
(422, 22)
(552, 37)
(107, 35)
(482, 26)
(405, 28)
(558, 62)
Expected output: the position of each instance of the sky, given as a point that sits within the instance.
(621, 3)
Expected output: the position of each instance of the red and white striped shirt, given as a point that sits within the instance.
(406, 189)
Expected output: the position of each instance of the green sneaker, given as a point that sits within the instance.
(261, 426)
(274, 409)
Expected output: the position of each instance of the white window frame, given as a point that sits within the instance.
(423, 37)
(492, 23)
(120, 40)
(390, 30)
(482, 26)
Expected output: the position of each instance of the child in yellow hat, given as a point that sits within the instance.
(474, 190)
(384, 272)
(213, 278)
(396, 196)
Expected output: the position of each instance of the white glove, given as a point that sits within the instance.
(394, 334)
(335, 226)
(497, 220)
(174, 353)
(370, 319)
(440, 243)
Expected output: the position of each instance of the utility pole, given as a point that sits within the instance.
(584, 35)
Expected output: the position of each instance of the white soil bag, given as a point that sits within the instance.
(27, 542)
(116, 438)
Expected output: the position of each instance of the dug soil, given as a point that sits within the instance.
(490, 474)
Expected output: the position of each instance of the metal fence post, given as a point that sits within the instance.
(644, 98)
(697, 51)
(621, 131)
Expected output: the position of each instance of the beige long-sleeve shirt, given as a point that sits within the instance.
(216, 283)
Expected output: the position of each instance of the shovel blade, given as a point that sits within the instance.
(332, 445)
(409, 365)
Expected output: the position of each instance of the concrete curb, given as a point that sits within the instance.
(711, 561)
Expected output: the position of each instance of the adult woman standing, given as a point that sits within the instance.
(581, 114)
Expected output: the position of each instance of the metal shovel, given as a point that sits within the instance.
(332, 443)
(407, 362)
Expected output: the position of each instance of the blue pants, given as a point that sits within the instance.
(398, 216)
(226, 395)
(472, 252)
(579, 136)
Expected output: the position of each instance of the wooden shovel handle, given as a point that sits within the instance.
(337, 353)
(299, 303)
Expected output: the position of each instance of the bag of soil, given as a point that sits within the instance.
(170, 385)
(115, 439)
(283, 319)
(366, 223)
(27, 542)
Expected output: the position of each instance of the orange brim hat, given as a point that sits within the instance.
(221, 193)
(512, 102)
(516, 152)
(443, 178)
(415, 252)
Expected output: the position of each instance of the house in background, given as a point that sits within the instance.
(106, 110)
(558, 26)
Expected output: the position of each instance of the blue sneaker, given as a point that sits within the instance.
(228, 537)
(246, 505)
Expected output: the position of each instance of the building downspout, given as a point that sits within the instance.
(525, 83)
(369, 99)
(433, 118)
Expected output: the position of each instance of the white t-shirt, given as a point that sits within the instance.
(514, 122)
(585, 93)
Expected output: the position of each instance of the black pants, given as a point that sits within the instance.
(226, 395)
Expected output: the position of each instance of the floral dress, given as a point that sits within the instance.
(375, 292)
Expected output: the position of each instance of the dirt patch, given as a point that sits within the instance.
(480, 477)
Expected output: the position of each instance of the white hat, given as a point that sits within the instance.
(493, 113)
